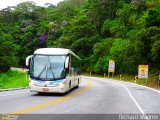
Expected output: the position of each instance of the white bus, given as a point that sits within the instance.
(51, 70)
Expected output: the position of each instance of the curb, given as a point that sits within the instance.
(154, 89)
(12, 89)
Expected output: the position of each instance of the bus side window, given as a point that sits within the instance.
(72, 71)
(67, 71)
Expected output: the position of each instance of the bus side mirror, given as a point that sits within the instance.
(28, 60)
(67, 62)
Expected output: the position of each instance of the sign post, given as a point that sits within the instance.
(120, 76)
(135, 78)
(111, 67)
(90, 73)
(143, 72)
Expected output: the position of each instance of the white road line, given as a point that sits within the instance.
(124, 82)
(13, 94)
(150, 88)
(139, 107)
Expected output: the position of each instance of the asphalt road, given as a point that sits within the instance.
(94, 99)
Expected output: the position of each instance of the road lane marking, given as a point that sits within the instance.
(130, 83)
(140, 109)
(52, 102)
(14, 94)
(124, 82)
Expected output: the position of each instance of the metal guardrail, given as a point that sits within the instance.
(19, 69)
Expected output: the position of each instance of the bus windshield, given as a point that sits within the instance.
(47, 67)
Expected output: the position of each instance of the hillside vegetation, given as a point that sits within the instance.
(13, 79)
(127, 31)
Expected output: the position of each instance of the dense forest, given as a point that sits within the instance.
(127, 31)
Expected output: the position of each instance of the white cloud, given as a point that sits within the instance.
(6, 3)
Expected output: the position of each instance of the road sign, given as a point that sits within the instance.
(143, 71)
(111, 67)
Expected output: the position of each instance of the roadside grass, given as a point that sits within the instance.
(13, 79)
(152, 81)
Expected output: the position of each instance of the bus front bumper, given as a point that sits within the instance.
(57, 89)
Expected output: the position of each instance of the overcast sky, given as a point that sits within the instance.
(6, 3)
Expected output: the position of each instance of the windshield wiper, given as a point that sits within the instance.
(42, 71)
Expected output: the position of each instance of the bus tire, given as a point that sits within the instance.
(40, 93)
(78, 83)
(69, 89)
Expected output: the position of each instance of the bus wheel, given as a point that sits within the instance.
(40, 93)
(69, 89)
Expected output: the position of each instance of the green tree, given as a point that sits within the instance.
(117, 52)
(8, 52)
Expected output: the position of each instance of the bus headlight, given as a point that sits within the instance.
(62, 84)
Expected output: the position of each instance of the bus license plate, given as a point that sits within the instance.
(45, 89)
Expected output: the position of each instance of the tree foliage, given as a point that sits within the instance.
(127, 31)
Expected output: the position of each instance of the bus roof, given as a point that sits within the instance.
(55, 51)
